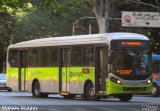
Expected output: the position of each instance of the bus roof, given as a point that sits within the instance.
(80, 39)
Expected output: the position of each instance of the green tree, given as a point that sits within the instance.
(100, 8)
(43, 21)
(155, 4)
(7, 23)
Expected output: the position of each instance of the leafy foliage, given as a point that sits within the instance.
(22, 20)
(6, 24)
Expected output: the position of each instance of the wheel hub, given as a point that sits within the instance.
(36, 90)
(91, 92)
(154, 90)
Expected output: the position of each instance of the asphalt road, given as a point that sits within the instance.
(23, 101)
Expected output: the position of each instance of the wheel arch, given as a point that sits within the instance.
(88, 81)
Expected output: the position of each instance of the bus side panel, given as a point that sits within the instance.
(12, 78)
(78, 79)
(51, 82)
(47, 77)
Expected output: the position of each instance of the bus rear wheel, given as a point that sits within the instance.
(125, 97)
(89, 92)
(9, 90)
(36, 91)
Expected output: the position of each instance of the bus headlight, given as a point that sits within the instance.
(115, 80)
(118, 81)
(148, 81)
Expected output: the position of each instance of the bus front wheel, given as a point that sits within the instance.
(155, 91)
(89, 92)
(125, 97)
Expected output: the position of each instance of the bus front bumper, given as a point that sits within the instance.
(114, 88)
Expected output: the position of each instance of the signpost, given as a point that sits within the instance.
(140, 19)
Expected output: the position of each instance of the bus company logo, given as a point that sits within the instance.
(75, 74)
(150, 108)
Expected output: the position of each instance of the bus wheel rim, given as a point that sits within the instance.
(91, 91)
(36, 90)
(154, 90)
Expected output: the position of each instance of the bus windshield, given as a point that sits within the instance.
(129, 61)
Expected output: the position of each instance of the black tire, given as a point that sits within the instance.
(9, 90)
(70, 96)
(36, 89)
(89, 93)
(125, 97)
(155, 92)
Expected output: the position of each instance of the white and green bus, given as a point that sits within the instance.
(94, 66)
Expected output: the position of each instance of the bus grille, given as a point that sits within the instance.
(134, 88)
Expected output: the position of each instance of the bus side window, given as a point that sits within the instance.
(13, 58)
(76, 56)
(53, 56)
(88, 54)
(42, 57)
(33, 57)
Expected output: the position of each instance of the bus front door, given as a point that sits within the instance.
(22, 71)
(101, 69)
(65, 62)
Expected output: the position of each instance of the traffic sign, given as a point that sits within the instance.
(140, 19)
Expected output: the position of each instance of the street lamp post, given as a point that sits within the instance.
(90, 26)
(86, 17)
